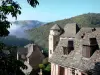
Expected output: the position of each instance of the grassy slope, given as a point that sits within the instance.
(40, 34)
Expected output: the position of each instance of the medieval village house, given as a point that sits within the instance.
(31, 56)
(74, 50)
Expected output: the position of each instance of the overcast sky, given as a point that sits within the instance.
(52, 10)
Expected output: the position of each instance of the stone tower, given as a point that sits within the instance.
(54, 35)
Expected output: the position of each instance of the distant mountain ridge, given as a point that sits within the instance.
(31, 23)
(18, 36)
(18, 28)
(40, 34)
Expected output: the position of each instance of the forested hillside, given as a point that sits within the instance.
(14, 41)
(40, 34)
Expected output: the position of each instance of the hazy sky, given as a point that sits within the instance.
(51, 10)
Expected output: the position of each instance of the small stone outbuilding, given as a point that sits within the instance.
(31, 56)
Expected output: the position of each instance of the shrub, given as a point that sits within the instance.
(41, 66)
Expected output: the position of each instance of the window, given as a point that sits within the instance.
(50, 51)
(93, 41)
(88, 50)
(73, 71)
(70, 46)
(61, 70)
(94, 45)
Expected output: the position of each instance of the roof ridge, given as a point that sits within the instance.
(55, 27)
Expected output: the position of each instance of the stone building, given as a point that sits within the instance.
(31, 56)
(74, 50)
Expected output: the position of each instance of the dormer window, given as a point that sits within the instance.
(86, 51)
(69, 48)
(94, 45)
(89, 49)
(70, 45)
(93, 41)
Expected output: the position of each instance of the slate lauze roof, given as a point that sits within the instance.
(75, 59)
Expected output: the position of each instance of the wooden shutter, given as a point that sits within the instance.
(86, 51)
(61, 70)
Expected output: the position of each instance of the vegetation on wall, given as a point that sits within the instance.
(45, 66)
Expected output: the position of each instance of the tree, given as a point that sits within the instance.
(33, 3)
(9, 65)
(45, 66)
(10, 7)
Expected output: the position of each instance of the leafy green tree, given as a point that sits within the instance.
(9, 65)
(48, 68)
(45, 66)
(41, 66)
(45, 61)
(7, 7)
(10, 7)
(33, 3)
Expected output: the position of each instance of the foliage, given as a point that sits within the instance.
(41, 66)
(95, 70)
(45, 61)
(33, 3)
(9, 65)
(2, 45)
(7, 7)
(45, 66)
(40, 35)
(48, 68)
(14, 41)
(45, 51)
